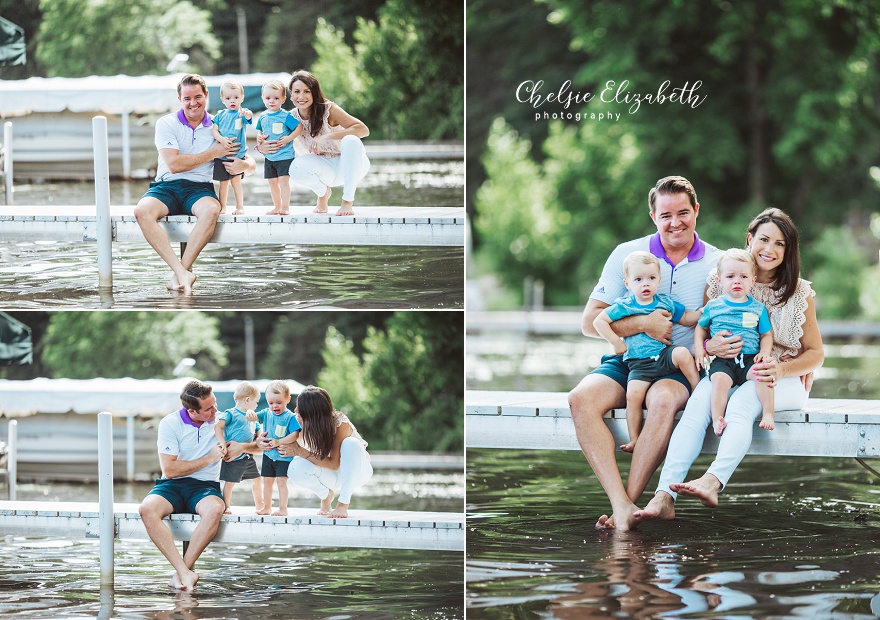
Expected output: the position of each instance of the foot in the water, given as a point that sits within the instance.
(660, 508)
(621, 520)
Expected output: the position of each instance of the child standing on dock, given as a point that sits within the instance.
(648, 359)
(742, 315)
(282, 127)
(233, 425)
(280, 424)
(229, 127)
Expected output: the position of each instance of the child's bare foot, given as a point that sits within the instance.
(323, 202)
(326, 504)
(347, 208)
(275, 212)
(228, 511)
(264, 511)
(340, 512)
(238, 212)
(629, 447)
(281, 512)
(719, 425)
(767, 421)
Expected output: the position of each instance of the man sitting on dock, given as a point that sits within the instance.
(190, 456)
(685, 262)
(184, 179)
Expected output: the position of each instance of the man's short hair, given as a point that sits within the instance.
(192, 79)
(672, 185)
(194, 393)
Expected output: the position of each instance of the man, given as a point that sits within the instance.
(685, 262)
(184, 176)
(189, 455)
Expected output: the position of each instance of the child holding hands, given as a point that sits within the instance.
(277, 124)
(229, 127)
(233, 425)
(280, 423)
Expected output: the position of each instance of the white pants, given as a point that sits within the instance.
(743, 409)
(318, 172)
(354, 472)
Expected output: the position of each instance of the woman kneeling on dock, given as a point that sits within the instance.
(329, 151)
(797, 351)
(330, 456)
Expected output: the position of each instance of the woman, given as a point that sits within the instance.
(329, 152)
(797, 351)
(329, 455)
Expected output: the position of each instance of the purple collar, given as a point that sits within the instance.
(184, 416)
(698, 250)
(206, 121)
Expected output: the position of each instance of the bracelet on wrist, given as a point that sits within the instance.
(705, 342)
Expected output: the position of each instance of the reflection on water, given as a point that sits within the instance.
(54, 577)
(792, 538)
(36, 275)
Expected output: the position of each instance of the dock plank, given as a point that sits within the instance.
(542, 421)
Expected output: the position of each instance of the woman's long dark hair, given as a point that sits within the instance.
(319, 104)
(787, 275)
(316, 411)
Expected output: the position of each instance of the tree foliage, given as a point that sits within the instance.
(142, 345)
(772, 130)
(406, 390)
(144, 35)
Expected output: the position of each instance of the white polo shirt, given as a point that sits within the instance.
(179, 436)
(685, 282)
(174, 132)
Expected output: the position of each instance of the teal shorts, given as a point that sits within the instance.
(185, 493)
(180, 195)
(614, 367)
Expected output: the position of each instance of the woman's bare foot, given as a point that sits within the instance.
(629, 447)
(704, 488)
(719, 425)
(767, 421)
(340, 512)
(323, 202)
(347, 208)
(326, 503)
(281, 512)
(660, 508)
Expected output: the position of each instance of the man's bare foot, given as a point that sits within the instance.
(185, 582)
(621, 521)
(704, 489)
(660, 508)
(767, 422)
(182, 282)
(629, 447)
(281, 512)
(347, 208)
(719, 425)
(340, 512)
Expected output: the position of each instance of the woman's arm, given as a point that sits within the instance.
(344, 124)
(812, 353)
(332, 460)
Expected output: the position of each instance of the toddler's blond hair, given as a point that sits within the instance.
(638, 258)
(231, 86)
(278, 387)
(245, 389)
(738, 254)
(275, 85)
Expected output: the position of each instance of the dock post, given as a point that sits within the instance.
(7, 160)
(106, 520)
(129, 448)
(102, 200)
(12, 458)
(126, 145)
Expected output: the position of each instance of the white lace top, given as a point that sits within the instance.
(306, 144)
(787, 320)
(340, 418)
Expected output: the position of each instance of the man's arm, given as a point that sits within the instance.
(182, 163)
(657, 324)
(174, 468)
(238, 166)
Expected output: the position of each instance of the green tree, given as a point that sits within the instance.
(143, 36)
(407, 386)
(142, 345)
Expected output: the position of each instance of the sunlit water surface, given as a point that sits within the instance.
(792, 538)
(58, 578)
(53, 275)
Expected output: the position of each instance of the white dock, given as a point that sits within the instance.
(542, 421)
(379, 529)
(388, 225)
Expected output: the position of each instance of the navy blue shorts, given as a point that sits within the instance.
(220, 173)
(275, 169)
(614, 367)
(240, 469)
(274, 469)
(739, 374)
(650, 369)
(180, 195)
(185, 493)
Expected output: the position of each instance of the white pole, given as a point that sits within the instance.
(126, 145)
(7, 160)
(102, 200)
(106, 522)
(129, 448)
(12, 457)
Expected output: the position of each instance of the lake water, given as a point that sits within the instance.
(792, 538)
(58, 578)
(52, 275)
